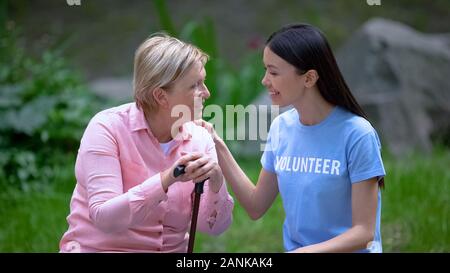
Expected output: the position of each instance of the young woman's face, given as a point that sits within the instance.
(281, 79)
(190, 90)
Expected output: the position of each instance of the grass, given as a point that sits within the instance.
(415, 213)
(34, 221)
(416, 205)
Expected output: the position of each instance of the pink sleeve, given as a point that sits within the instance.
(110, 209)
(215, 212)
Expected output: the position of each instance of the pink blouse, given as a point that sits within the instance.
(118, 203)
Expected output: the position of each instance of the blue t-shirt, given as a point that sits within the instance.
(316, 166)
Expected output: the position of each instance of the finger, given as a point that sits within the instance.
(208, 126)
(202, 178)
(200, 181)
(193, 173)
(199, 122)
(192, 166)
(189, 157)
(202, 122)
(195, 164)
(202, 171)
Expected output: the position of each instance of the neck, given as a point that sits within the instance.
(313, 108)
(160, 125)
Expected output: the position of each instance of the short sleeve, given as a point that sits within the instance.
(364, 158)
(268, 158)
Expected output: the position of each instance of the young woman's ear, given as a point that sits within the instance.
(311, 77)
(160, 96)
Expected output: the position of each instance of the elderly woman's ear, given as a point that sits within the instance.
(160, 96)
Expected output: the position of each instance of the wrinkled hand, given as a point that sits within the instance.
(206, 168)
(198, 167)
(167, 178)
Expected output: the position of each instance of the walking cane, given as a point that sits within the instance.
(198, 190)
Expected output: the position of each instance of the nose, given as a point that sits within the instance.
(205, 92)
(265, 81)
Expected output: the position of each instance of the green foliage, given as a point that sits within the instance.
(164, 18)
(416, 205)
(228, 86)
(44, 109)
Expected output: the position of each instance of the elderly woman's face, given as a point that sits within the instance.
(190, 90)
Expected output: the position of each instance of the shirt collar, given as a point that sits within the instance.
(137, 119)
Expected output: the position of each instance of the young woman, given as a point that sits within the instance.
(126, 198)
(323, 156)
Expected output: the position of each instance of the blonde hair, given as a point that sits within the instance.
(159, 62)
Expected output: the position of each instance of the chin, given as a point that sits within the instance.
(279, 104)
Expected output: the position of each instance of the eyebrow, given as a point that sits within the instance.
(271, 66)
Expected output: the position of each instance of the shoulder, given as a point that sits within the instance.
(357, 128)
(111, 120)
(105, 127)
(198, 133)
(285, 119)
(112, 116)
(353, 124)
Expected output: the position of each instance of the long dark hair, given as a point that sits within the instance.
(305, 47)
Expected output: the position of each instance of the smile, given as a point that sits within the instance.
(273, 93)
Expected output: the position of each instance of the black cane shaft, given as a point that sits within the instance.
(198, 190)
(194, 222)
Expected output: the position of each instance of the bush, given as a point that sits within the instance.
(44, 109)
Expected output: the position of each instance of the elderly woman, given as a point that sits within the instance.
(126, 198)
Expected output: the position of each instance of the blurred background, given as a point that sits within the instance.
(63, 61)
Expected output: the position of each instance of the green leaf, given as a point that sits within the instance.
(164, 17)
(31, 116)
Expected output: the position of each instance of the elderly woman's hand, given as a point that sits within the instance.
(198, 168)
(167, 178)
(205, 168)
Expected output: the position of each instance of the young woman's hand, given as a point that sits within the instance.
(209, 127)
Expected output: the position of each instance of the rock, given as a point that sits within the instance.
(400, 77)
